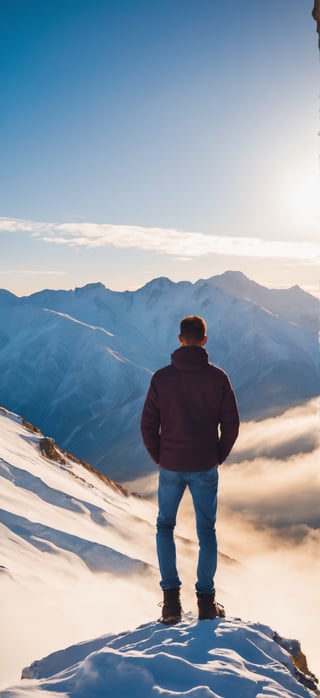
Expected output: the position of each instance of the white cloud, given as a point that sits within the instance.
(169, 241)
(32, 272)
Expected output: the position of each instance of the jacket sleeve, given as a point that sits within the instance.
(229, 422)
(150, 423)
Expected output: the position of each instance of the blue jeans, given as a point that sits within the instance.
(203, 487)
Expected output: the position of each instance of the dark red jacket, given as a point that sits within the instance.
(190, 419)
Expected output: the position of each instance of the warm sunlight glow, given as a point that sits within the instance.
(302, 199)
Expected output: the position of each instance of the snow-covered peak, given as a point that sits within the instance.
(226, 658)
(158, 286)
(89, 289)
(7, 296)
(292, 304)
(162, 282)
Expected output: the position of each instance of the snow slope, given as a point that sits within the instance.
(71, 544)
(77, 562)
(78, 363)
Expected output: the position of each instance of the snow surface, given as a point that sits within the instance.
(77, 561)
(208, 659)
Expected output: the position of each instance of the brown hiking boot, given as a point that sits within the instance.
(171, 607)
(209, 608)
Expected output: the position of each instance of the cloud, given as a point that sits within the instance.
(32, 272)
(282, 495)
(296, 432)
(168, 241)
(273, 477)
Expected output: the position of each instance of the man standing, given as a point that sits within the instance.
(189, 424)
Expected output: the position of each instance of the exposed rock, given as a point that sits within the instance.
(299, 661)
(26, 424)
(31, 427)
(316, 16)
(50, 450)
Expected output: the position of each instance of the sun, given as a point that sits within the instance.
(304, 201)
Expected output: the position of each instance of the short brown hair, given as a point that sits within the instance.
(193, 327)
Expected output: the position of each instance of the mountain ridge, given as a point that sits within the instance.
(78, 363)
(292, 303)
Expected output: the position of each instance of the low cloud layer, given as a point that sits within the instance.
(169, 241)
(273, 479)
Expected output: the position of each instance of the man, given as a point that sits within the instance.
(189, 424)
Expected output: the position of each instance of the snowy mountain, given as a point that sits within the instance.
(292, 304)
(78, 363)
(78, 561)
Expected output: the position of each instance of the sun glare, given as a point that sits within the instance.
(304, 197)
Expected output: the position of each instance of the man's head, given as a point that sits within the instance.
(193, 331)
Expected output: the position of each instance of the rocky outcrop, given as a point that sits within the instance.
(299, 661)
(316, 16)
(29, 426)
(50, 450)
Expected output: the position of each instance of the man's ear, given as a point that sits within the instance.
(204, 341)
(180, 338)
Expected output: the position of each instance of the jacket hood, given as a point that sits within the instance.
(190, 358)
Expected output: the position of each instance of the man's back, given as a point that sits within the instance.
(187, 402)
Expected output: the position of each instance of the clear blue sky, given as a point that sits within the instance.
(164, 117)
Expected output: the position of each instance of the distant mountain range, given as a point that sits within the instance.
(78, 363)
